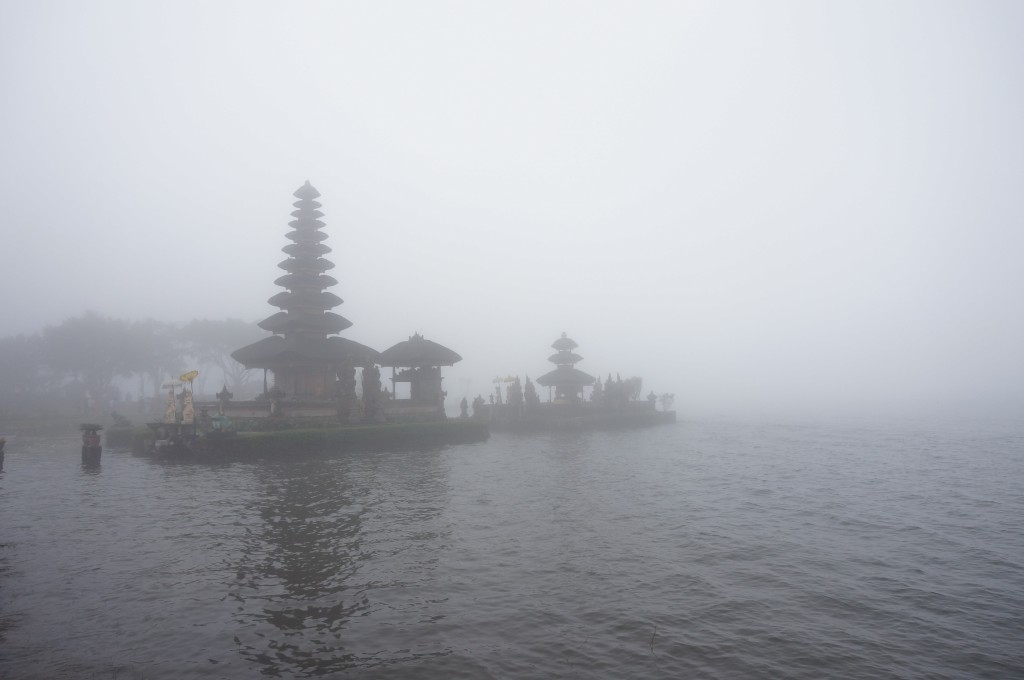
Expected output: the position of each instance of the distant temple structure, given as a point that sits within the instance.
(614, 405)
(304, 354)
(418, 361)
(566, 380)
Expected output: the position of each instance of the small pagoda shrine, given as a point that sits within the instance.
(418, 361)
(304, 353)
(566, 380)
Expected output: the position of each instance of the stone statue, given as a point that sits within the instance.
(530, 396)
(223, 397)
(373, 398)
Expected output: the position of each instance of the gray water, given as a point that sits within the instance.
(710, 549)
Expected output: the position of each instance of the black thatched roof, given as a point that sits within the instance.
(564, 343)
(565, 358)
(306, 250)
(295, 265)
(418, 352)
(307, 191)
(277, 351)
(303, 298)
(566, 376)
(310, 322)
(318, 281)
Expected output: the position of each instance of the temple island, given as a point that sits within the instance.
(324, 391)
(576, 400)
(320, 390)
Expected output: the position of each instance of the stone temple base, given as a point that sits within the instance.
(395, 411)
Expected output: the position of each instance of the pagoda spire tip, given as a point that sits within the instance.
(307, 190)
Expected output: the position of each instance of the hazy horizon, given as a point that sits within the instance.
(790, 206)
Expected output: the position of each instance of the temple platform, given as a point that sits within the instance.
(394, 411)
(574, 417)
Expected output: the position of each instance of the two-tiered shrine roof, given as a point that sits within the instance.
(418, 352)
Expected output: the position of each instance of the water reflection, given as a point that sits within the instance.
(293, 582)
(7, 620)
(337, 564)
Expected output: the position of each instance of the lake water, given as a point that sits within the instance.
(708, 549)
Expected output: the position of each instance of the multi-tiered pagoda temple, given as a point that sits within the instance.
(568, 382)
(304, 353)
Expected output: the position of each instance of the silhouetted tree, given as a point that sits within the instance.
(23, 374)
(211, 342)
(91, 349)
(633, 386)
(515, 398)
(155, 352)
(530, 395)
(478, 406)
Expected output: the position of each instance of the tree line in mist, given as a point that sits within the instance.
(91, 361)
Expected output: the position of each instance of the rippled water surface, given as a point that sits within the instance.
(709, 549)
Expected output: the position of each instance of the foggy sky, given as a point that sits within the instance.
(786, 205)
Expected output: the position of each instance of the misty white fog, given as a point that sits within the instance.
(788, 237)
(764, 207)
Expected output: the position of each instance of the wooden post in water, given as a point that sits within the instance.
(91, 449)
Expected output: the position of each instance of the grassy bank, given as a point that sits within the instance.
(335, 439)
(382, 437)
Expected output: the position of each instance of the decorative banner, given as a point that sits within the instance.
(171, 413)
(188, 414)
(189, 377)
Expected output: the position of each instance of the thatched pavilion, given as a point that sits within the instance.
(418, 361)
